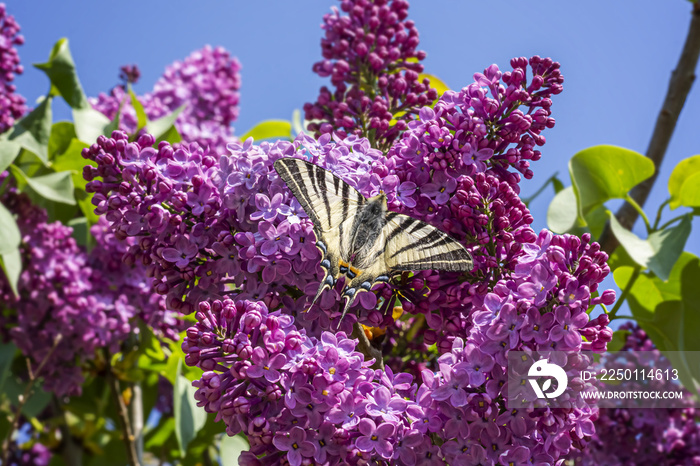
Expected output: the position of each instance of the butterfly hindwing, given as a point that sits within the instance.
(415, 245)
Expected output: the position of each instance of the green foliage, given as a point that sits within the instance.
(562, 214)
(230, 449)
(9, 150)
(57, 186)
(601, 173)
(189, 419)
(684, 183)
(270, 129)
(660, 251)
(33, 131)
(64, 79)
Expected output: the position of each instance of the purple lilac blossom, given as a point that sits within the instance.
(370, 55)
(12, 105)
(206, 83)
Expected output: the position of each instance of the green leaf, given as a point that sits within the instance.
(188, 417)
(596, 220)
(619, 339)
(601, 173)
(162, 126)
(11, 264)
(71, 159)
(7, 354)
(34, 130)
(159, 436)
(561, 214)
(435, 82)
(660, 251)
(644, 295)
(62, 133)
(681, 178)
(231, 448)
(80, 230)
(9, 151)
(269, 129)
(10, 236)
(61, 71)
(141, 118)
(89, 124)
(57, 187)
(690, 192)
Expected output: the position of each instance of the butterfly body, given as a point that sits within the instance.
(360, 239)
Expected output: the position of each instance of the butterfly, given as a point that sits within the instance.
(360, 239)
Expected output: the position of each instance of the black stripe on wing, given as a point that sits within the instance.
(411, 244)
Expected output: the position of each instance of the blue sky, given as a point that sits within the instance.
(616, 58)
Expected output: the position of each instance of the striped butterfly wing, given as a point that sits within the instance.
(330, 203)
(411, 244)
(407, 244)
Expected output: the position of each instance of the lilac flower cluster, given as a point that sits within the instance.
(70, 303)
(644, 436)
(370, 55)
(12, 106)
(228, 230)
(206, 83)
(210, 227)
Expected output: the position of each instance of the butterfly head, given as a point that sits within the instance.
(379, 201)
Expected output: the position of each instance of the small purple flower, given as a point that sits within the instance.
(183, 252)
(405, 192)
(246, 175)
(375, 438)
(269, 209)
(440, 188)
(567, 325)
(381, 404)
(540, 284)
(476, 365)
(276, 238)
(266, 366)
(536, 326)
(324, 443)
(295, 444)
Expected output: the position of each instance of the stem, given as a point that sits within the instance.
(678, 88)
(529, 199)
(658, 213)
(137, 417)
(640, 211)
(25, 397)
(673, 220)
(127, 432)
(625, 292)
(365, 347)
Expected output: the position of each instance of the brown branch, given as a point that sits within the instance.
(678, 88)
(365, 347)
(127, 432)
(33, 376)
